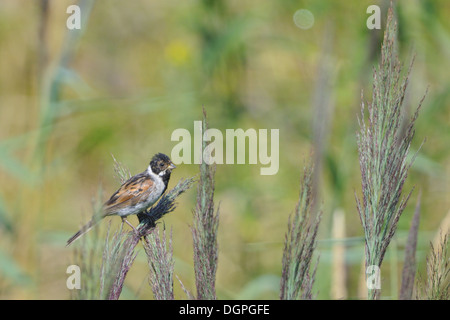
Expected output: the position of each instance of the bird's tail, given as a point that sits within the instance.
(88, 226)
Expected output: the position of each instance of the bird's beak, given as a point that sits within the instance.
(172, 166)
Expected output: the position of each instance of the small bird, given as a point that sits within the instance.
(135, 195)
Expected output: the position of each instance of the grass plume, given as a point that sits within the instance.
(161, 263)
(437, 284)
(204, 231)
(300, 241)
(118, 257)
(86, 258)
(383, 148)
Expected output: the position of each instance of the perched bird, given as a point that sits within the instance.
(136, 194)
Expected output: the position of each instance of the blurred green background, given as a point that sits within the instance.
(136, 71)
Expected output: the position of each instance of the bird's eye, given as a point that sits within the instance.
(161, 165)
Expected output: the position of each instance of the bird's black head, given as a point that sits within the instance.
(161, 165)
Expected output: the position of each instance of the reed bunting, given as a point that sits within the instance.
(135, 195)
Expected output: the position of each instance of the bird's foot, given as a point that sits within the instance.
(124, 219)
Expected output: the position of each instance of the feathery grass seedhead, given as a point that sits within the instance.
(300, 241)
(437, 283)
(383, 148)
(86, 258)
(161, 263)
(118, 256)
(103, 278)
(121, 173)
(204, 231)
(159, 256)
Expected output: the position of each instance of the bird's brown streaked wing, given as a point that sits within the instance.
(129, 193)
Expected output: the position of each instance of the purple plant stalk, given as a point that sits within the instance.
(383, 147)
(204, 231)
(118, 257)
(300, 242)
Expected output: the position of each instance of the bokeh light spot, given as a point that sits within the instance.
(304, 19)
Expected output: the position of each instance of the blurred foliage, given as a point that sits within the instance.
(136, 72)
